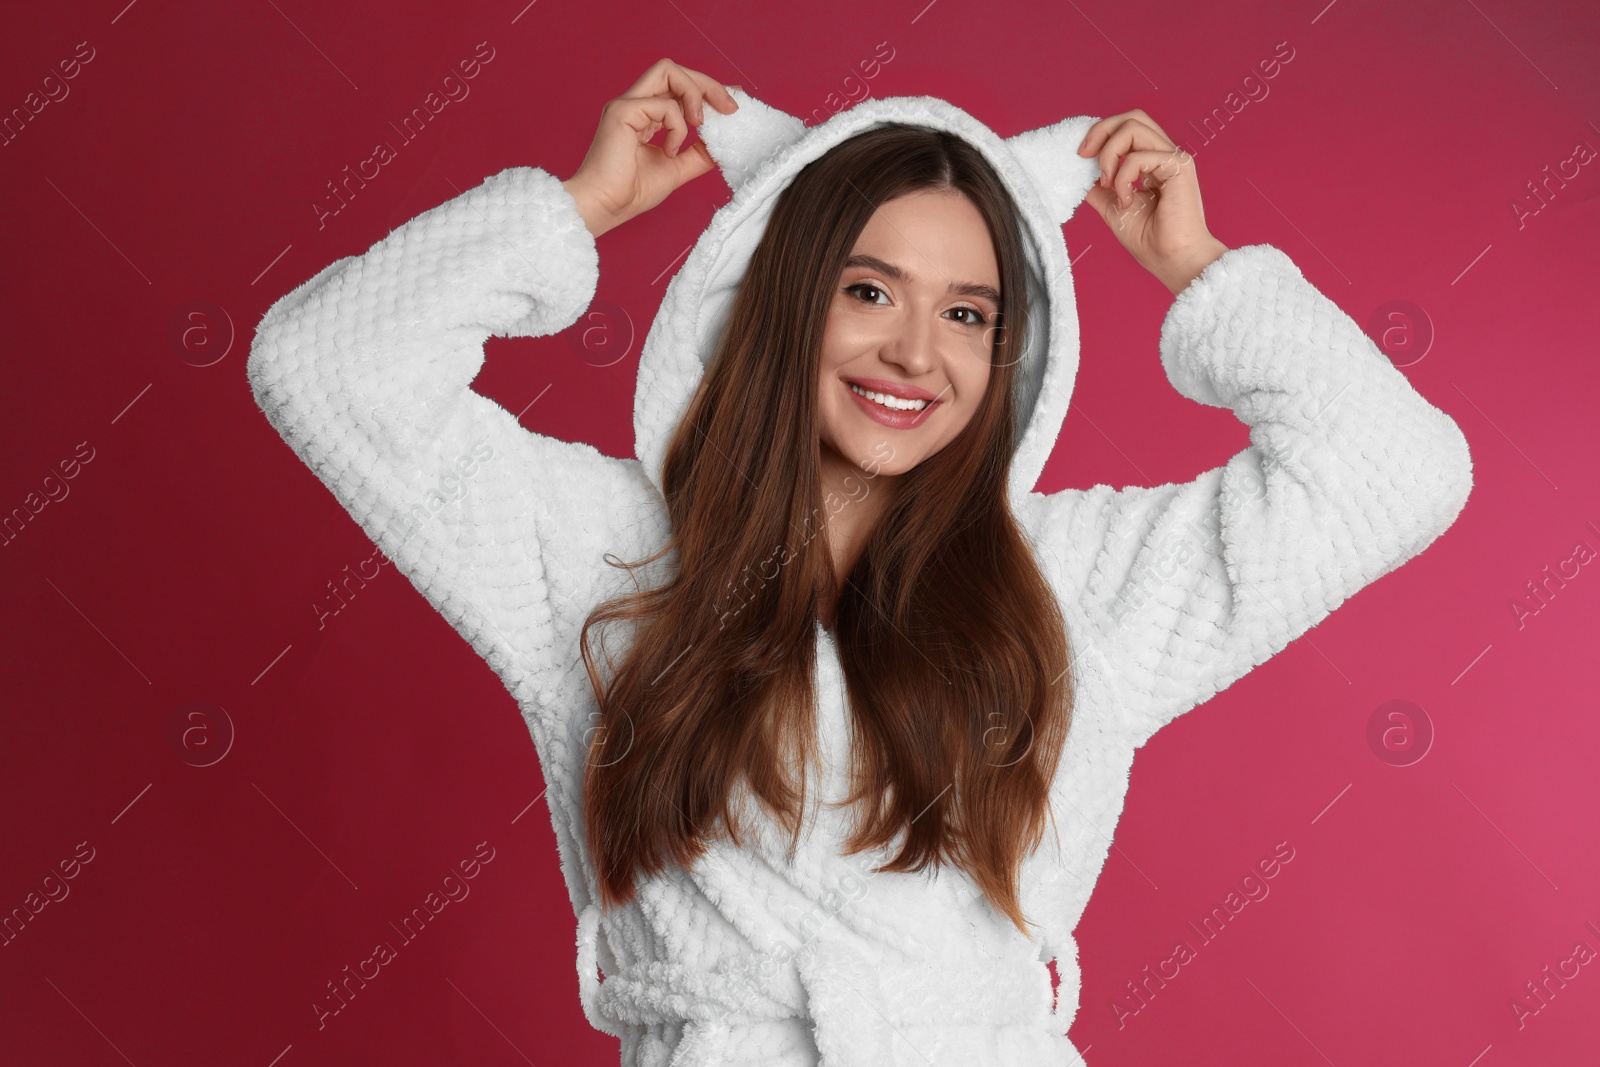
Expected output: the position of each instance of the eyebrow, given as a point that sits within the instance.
(987, 292)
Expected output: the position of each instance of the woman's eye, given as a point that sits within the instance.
(974, 316)
(859, 286)
(978, 318)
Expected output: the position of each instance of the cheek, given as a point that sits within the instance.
(831, 409)
(832, 404)
(973, 382)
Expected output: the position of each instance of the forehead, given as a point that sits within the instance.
(933, 235)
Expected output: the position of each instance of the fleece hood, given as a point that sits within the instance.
(759, 149)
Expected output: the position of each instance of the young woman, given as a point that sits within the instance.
(836, 713)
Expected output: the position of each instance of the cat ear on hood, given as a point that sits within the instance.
(742, 141)
(1050, 156)
(750, 136)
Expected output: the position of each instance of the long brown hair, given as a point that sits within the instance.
(953, 648)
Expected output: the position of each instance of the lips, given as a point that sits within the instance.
(903, 390)
(890, 417)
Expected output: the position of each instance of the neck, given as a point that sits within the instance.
(853, 500)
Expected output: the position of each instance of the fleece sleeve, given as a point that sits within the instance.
(365, 371)
(1181, 589)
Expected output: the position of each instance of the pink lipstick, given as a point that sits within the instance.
(893, 402)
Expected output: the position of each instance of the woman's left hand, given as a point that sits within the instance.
(1163, 224)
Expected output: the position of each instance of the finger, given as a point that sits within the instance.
(1171, 166)
(1131, 136)
(677, 128)
(689, 87)
(1099, 131)
(713, 90)
(1139, 114)
(1103, 201)
(1095, 136)
(709, 88)
(690, 101)
(653, 80)
(664, 77)
(691, 96)
(693, 162)
(1156, 167)
(1109, 204)
(645, 115)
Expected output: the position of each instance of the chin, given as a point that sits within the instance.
(872, 455)
(883, 450)
(900, 465)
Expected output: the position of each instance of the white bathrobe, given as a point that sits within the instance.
(1171, 592)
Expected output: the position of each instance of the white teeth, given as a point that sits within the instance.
(888, 401)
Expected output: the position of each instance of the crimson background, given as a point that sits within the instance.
(370, 755)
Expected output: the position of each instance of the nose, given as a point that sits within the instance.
(910, 347)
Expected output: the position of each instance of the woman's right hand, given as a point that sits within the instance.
(623, 175)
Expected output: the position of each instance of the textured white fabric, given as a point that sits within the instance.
(1170, 593)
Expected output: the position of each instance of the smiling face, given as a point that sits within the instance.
(913, 316)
